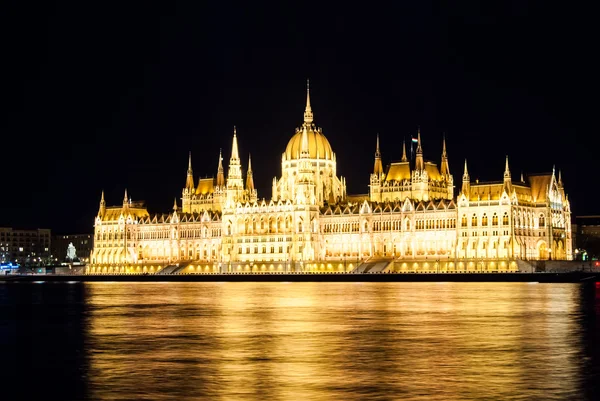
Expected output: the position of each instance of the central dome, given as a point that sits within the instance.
(317, 143)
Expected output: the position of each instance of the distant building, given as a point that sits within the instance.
(588, 225)
(587, 236)
(25, 247)
(83, 243)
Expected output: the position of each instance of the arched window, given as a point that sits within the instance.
(463, 221)
(299, 226)
(505, 219)
(542, 221)
(495, 219)
(474, 220)
(484, 220)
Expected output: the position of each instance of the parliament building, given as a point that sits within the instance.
(412, 220)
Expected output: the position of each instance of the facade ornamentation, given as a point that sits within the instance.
(410, 220)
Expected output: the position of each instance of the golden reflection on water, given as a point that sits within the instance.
(340, 341)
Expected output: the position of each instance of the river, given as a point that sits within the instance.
(300, 341)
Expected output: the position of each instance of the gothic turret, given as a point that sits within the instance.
(189, 181)
(444, 167)
(125, 203)
(419, 164)
(466, 182)
(404, 158)
(220, 173)
(249, 179)
(507, 179)
(560, 182)
(377, 168)
(235, 182)
(102, 209)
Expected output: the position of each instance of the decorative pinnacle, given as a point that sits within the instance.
(444, 146)
(466, 173)
(308, 114)
(190, 162)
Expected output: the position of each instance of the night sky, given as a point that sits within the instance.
(114, 96)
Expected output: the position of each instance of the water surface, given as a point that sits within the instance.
(300, 341)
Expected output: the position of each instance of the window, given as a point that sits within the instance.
(495, 219)
(474, 220)
(463, 221)
(484, 220)
(542, 221)
(505, 219)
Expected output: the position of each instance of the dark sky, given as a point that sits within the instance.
(114, 96)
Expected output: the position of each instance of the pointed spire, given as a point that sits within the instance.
(308, 114)
(419, 164)
(522, 177)
(506, 169)
(175, 205)
(102, 209)
(507, 179)
(377, 168)
(125, 200)
(560, 183)
(235, 156)
(404, 158)
(444, 154)
(220, 172)
(249, 178)
(189, 181)
(466, 182)
(444, 167)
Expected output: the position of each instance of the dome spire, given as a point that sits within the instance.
(308, 114)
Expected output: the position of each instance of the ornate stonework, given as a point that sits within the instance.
(409, 221)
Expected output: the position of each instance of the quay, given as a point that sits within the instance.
(562, 277)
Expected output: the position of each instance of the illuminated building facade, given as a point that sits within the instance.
(410, 220)
(25, 247)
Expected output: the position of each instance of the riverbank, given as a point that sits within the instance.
(568, 277)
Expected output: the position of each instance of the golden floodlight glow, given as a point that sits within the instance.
(415, 217)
